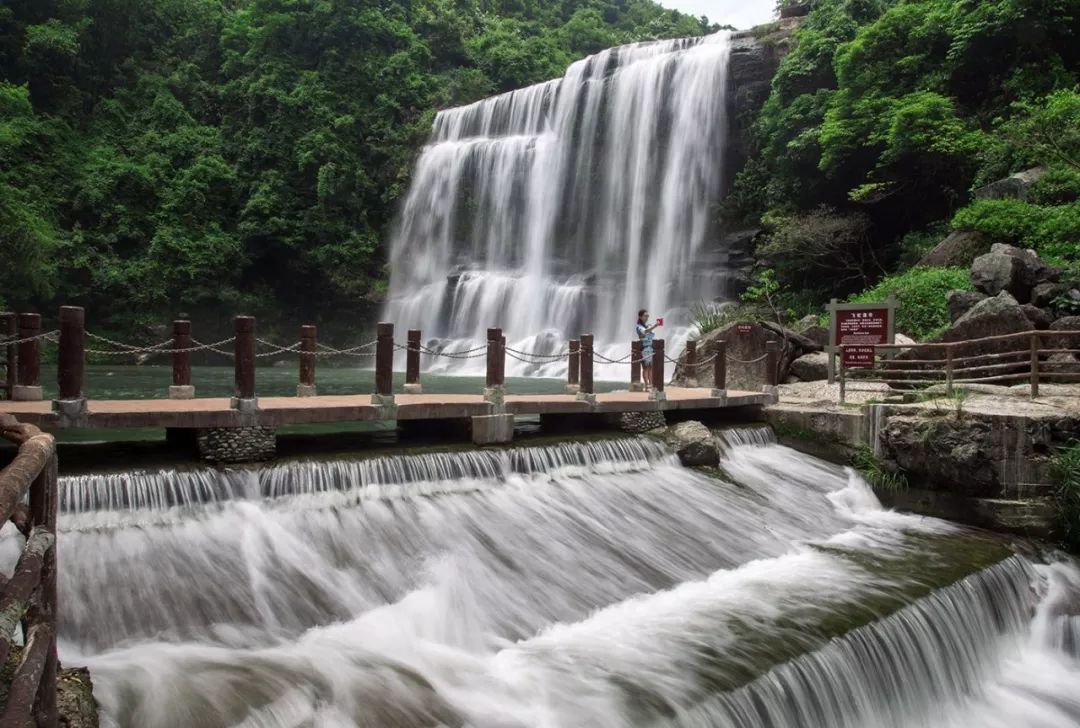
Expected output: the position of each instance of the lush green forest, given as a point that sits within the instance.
(217, 155)
(883, 118)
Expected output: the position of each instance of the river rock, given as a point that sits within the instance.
(811, 367)
(960, 248)
(1015, 186)
(1008, 268)
(960, 302)
(695, 444)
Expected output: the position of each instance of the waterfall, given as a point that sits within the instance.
(564, 207)
(597, 583)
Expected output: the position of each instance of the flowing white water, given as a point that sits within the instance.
(596, 584)
(565, 207)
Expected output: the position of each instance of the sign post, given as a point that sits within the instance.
(858, 327)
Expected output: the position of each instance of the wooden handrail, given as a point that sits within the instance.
(29, 596)
(1028, 364)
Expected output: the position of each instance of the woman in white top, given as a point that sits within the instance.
(645, 335)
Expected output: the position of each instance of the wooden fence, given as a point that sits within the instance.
(8, 332)
(29, 596)
(1021, 358)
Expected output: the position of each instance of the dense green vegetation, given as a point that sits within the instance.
(217, 155)
(887, 113)
(1066, 473)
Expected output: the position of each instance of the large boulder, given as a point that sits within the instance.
(811, 367)
(1015, 186)
(1044, 293)
(817, 334)
(745, 345)
(993, 316)
(1008, 268)
(806, 322)
(958, 249)
(1066, 323)
(695, 444)
(1037, 316)
(960, 302)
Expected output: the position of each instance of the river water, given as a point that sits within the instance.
(596, 583)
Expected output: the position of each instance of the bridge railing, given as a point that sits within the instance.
(1029, 357)
(29, 596)
(245, 349)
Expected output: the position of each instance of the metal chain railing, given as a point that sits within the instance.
(49, 336)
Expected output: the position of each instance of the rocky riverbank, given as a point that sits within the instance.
(982, 457)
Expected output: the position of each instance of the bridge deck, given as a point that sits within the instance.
(278, 411)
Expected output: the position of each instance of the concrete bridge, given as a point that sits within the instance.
(489, 413)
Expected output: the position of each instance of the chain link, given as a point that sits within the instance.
(130, 348)
(46, 336)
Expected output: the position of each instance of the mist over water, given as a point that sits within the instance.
(563, 208)
(587, 584)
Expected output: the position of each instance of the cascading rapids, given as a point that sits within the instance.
(595, 584)
(563, 208)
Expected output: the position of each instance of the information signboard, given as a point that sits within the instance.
(744, 328)
(858, 327)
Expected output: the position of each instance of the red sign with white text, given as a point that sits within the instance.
(867, 326)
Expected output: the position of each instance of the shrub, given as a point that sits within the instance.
(921, 293)
(876, 474)
(710, 315)
(1066, 475)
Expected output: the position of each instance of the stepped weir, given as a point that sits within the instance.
(591, 583)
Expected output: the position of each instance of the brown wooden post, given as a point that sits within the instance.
(691, 361)
(10, 331)
(384, 360)
(720, 365)
(586, 384)
(29, 356)
(772, 363)
(43, 500)
(843, 376)
(181, 361)
(308, 342)
(573, 368)
(1035, 363)
(658, 367)
(948, 371)
(635, 366)
(494, 348)
(244, 358)
(412, 363)
(72, 354)
(502, 361)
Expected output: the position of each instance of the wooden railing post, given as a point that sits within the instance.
(384, 361)
(573, 368)
(244, 363)
(772, 363)
(635, 366)
(29, 386)
(9, 329)
(948, 371)
(43, 500)
(308, 342)
(412, 363)
(658, 369)
(69, 402)
(181, 361)
(720, 368)
(585, 389)
(691, 362)
(843, 376)
(1034, 364)
(495, 352)
(502, 361)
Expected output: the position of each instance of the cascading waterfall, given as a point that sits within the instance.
(590, 584)
(564, 207)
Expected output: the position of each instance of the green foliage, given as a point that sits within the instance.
(206, 156)
(921, 294)
(1051, 230)
(1066, 475)
(876, 473)
(893, 110)
(709, 315)
(807, 245)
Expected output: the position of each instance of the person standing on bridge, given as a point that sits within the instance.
(645, 335)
